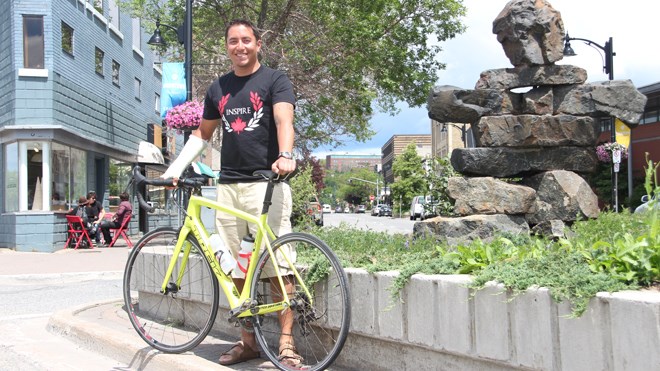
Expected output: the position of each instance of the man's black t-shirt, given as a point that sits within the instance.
(245, 105)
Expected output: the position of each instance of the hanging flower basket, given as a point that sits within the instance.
(604, 152)
(185, 117)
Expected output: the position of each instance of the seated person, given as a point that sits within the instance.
(82, 211)
(124, 211)
(96, 214)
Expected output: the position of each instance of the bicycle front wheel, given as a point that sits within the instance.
(317, 323)
(179, 319)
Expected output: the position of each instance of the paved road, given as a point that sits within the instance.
(368, 222)
(27, 305)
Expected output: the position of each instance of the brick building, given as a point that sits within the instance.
(347, 162)
(397, 144)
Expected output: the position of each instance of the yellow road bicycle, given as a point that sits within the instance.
(172, 281)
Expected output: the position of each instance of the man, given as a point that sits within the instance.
(82, 210)
(124, 211)
(253, 105)
(96, 214)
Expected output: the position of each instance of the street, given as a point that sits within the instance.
(29, 300)
(368, 222)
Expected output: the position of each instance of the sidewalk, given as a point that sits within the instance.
(104, 328)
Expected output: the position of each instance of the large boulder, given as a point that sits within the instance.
(524, 76)
(561, 195)
(487, 195)
(462, 230)
(535, 131)
(509, 162)
(531, 32)
(451, 104)
(618, 98)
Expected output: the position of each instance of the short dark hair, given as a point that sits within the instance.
(91, 194)
(242, 22)
(123, 196)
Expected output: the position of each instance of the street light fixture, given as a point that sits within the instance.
(184, 36)
(459, 126)
(370, 182)
(608, 68)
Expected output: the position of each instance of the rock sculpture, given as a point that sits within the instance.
(546, 135)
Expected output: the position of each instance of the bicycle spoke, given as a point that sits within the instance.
(319, 323)
(180, 318)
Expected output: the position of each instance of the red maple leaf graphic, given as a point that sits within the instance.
(256, 101)
(222, 103)
(238, 125)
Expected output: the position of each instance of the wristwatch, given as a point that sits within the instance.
(287, 155)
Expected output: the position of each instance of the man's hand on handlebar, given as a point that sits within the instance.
(283, 166)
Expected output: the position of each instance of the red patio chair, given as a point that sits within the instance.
(77, 233)
(121, 231)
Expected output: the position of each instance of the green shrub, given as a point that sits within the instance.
(615, 252)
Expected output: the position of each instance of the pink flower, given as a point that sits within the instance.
(184, 116)
(604, 152)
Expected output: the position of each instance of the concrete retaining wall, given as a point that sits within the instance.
(440, 324)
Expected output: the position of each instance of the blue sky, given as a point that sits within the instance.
(632, 24)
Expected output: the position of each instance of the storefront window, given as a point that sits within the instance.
(43, 176)
(157, 196)
(11, 177)
(35, 176)
(120, 176)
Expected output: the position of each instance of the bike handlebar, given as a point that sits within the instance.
(191, 183)
(182, 183)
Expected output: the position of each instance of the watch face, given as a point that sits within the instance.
(286, 155)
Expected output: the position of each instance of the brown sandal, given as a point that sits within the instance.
(238, 353)
(291, 358)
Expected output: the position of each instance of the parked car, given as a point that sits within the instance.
(315, 210)
(361, 209)
(339, 210)
(376, 210)
(385, 210)
(646, 205)
(347, 210)
(417, 207)
(327, 208)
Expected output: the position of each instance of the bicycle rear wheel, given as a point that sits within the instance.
(320, 320)
(179, 319)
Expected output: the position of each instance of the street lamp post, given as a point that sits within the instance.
(184, 35)
(608, 68)
(370, 182)
(461, 127)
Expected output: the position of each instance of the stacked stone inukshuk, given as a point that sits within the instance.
(546, 136)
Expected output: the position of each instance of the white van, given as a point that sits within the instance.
(417, 207)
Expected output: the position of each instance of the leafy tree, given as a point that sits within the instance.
(317, 173)
(437, 179)
(341, 56)
(409, 175)
(302, 188)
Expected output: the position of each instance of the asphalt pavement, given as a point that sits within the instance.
(96, 335)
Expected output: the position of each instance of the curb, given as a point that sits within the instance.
(58, 278)
(115, 344)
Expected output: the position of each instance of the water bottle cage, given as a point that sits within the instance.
(248, 257)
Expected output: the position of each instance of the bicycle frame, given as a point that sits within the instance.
(239, 303)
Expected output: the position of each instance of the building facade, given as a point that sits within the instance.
(81, 91)
(445, 137)
(347, 162)
(645, 138)
(397, 144)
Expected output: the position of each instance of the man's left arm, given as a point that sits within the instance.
(283, 114)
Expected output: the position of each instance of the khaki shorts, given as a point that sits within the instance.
(249, 197)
